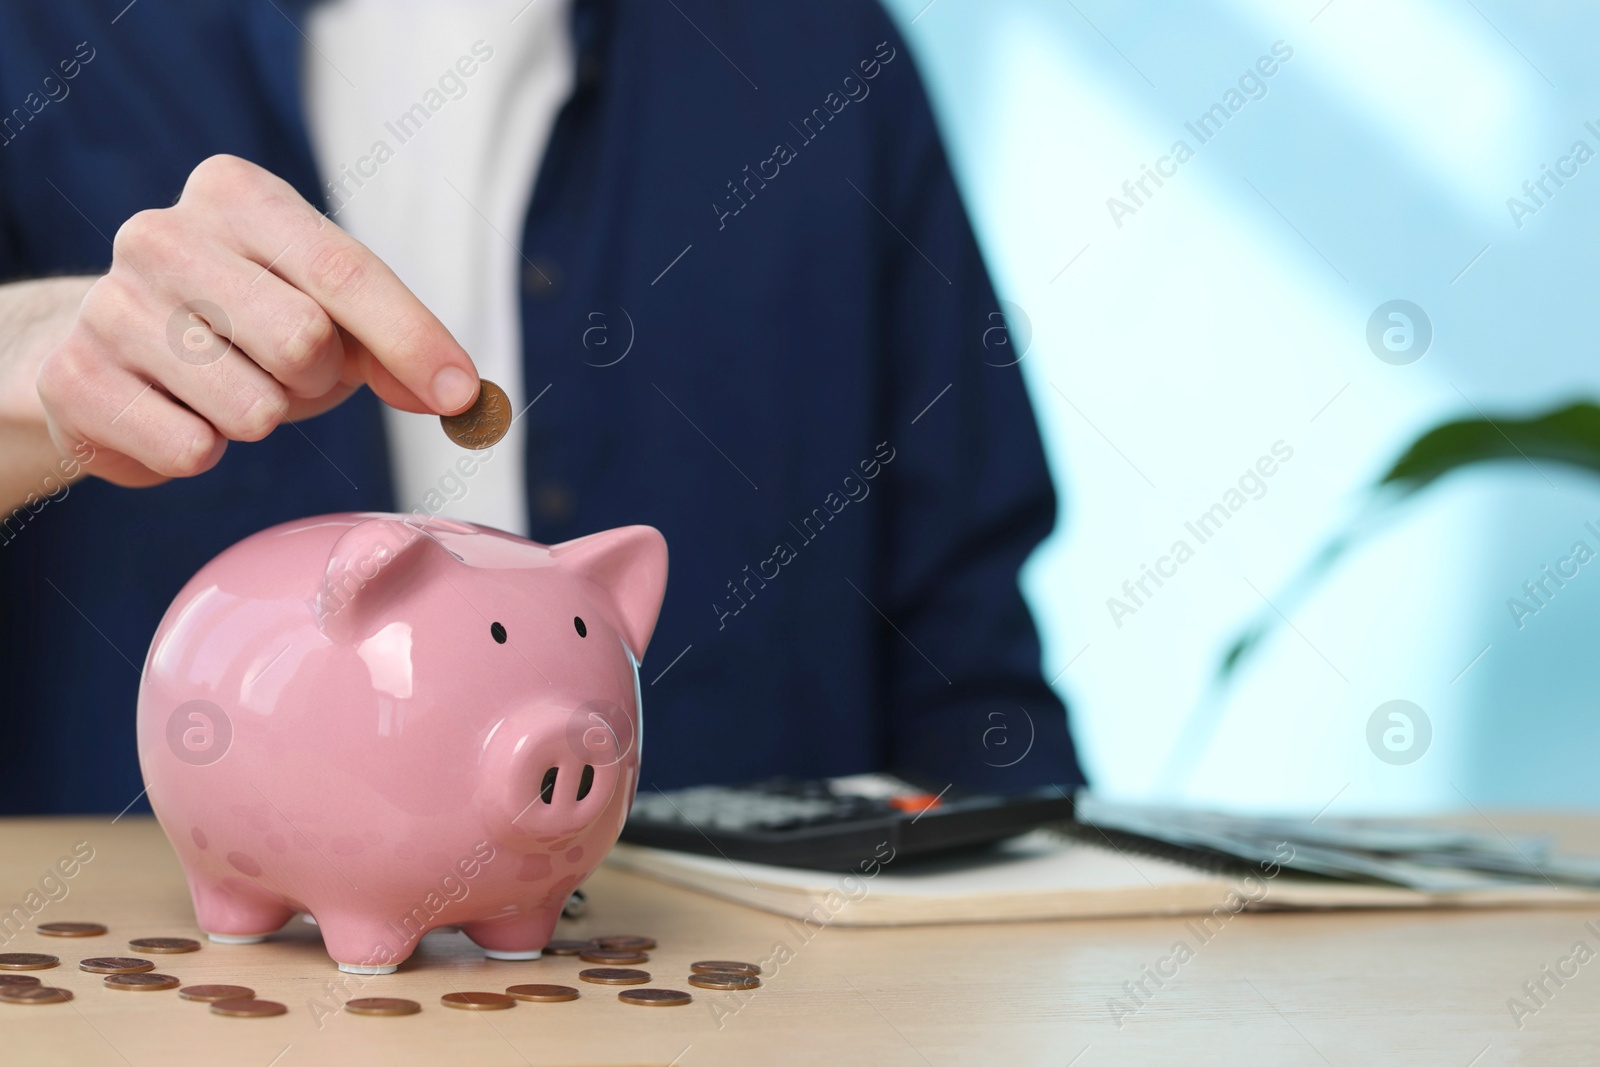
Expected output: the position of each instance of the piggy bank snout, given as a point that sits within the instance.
(552, 779)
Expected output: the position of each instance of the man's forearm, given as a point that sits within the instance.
(35, 316)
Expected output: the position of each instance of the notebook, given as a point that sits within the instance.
(1069, 872)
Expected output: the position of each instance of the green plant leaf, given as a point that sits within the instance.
(1569, 435)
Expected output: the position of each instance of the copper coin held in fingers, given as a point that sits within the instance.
(485, 422)
(144, 981)
(26, 961)
(216, 992)
(16, 981)
(614, 976)
(248, 1009)
(70, 929)
(35, 994)
(724, 967)
(115, 965)
(164, 944)
(616, 956)
(477, 1001)
(382, 1006)
(542, 994)
(633, 941)
(724, 980)
(655, 998)
(568, 948)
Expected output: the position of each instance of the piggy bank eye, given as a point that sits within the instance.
(577, 624)
(498, 632)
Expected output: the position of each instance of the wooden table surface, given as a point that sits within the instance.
(1351, 988)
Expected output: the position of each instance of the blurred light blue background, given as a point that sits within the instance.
(1229, 312)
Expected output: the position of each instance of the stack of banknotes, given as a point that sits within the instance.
(1427, 855)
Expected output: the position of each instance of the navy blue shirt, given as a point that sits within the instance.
(847, 480)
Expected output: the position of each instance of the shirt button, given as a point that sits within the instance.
(554, 502)
(541, 278)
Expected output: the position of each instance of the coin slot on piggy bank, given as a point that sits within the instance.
(429, 723)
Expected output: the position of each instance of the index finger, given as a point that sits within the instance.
(364, 296)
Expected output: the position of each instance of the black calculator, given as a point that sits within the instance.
(834, 824)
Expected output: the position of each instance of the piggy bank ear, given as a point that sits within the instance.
(369, 571)
(630, 565)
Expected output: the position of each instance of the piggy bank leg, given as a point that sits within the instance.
(236, 913)
(520, 937)
(362, 945)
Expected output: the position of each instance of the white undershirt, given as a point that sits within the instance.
(389, 178)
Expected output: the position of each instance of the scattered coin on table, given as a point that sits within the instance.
(633, 941)
(27, 961)
(542, 994)
(724, 967)
(614, 956)
(216, 992)
(145, 981)
(485, 422)
(724, 980)
(382, 1006)
(70, 929)
(477, 1001)
(569, 948)
(17, 981)
(115, 965)
(655, 998)
(248, 1009)
(164, 944)
(614, 976)
(34, 994)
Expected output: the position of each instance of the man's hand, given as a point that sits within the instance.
(237, 309)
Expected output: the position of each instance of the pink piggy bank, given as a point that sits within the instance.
(396, 723)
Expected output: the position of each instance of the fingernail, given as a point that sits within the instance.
(453, 389)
